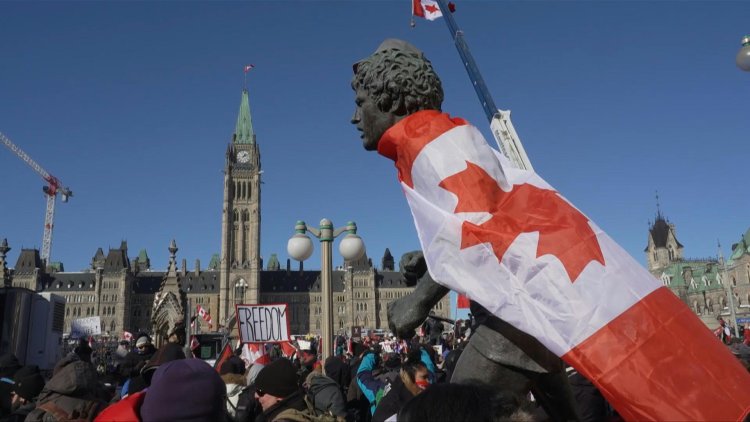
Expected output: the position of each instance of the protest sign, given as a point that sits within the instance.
(266, 323)
(84, 327)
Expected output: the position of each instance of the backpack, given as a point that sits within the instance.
(307, 415)
(246, 405)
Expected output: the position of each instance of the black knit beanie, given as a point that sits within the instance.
(28, 382)
(279, 379)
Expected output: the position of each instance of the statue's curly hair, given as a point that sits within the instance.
(400, 81)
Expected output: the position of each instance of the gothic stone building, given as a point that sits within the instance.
(129, 295)
(700, 283)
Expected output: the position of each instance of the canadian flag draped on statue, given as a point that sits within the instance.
(507, 240)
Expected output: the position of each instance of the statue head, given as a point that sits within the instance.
(392, 83)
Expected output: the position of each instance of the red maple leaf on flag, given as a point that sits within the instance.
(563, 231)
(431, 8)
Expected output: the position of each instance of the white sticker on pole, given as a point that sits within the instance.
(84, 327)
(263, 323)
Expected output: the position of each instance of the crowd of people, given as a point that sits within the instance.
(376, 379)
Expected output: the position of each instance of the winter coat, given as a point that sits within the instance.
(339, 371)
(20, 414)
(235, 385)
(71, 394)
(325, 394)
(125, 410)
(133, 362)
(295, 401)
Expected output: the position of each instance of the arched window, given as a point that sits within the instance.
(670, 251)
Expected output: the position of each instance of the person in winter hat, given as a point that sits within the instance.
(71, 394)
(27, 384)
(185, 390)
(83, 350)
(136, 359)
(277, 390)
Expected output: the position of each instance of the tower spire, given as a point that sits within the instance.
(243, 133)
(658, 208)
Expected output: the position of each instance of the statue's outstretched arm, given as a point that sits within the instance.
(408, 312)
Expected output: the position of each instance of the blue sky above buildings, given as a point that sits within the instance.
(132, 105)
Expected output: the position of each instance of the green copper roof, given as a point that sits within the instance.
(214, 264)
(142, 256)
(243, 133)
(273, 263)
(740, 249)
(705, 275)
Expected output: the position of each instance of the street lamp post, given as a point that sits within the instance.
(351, 247)
(743, 56)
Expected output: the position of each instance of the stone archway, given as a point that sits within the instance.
(167, 312)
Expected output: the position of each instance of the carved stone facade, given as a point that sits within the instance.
(129, 296)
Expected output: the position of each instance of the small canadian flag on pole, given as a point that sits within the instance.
(205, 315)
(429, 9)
(249, 67)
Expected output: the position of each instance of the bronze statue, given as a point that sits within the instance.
(391, 84)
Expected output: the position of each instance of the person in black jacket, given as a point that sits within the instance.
(413, 378)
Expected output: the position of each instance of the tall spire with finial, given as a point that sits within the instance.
(243, 132)
(658, 208)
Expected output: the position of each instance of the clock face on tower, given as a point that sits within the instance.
(243, 156)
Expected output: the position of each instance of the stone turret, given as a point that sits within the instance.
(388, 263)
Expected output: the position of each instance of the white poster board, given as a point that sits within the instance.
(266, 323)
(84, 327)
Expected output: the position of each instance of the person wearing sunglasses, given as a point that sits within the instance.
(277, 390)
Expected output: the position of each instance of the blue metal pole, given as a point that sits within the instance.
(471, 67)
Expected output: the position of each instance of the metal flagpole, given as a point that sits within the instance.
(502, 128)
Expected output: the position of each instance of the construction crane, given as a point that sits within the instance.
(502, 128)
(54, 185)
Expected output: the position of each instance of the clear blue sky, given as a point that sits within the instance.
(132, 105)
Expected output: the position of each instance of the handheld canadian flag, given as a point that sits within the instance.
(506, 239)
(255, 353)
(194, 343)
(203, 313)
(288, 349)
(127, 335)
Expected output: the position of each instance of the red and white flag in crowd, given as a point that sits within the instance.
(126, 335)
(255, 353)
(429, 9)
(203, 313)
(507, 240)
(249, 67)
(194, 343)
(288, 349)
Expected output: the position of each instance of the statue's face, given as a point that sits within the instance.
(370, 120)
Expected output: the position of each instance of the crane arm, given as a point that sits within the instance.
(25, 157)
(53, 183)
(50, 190)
